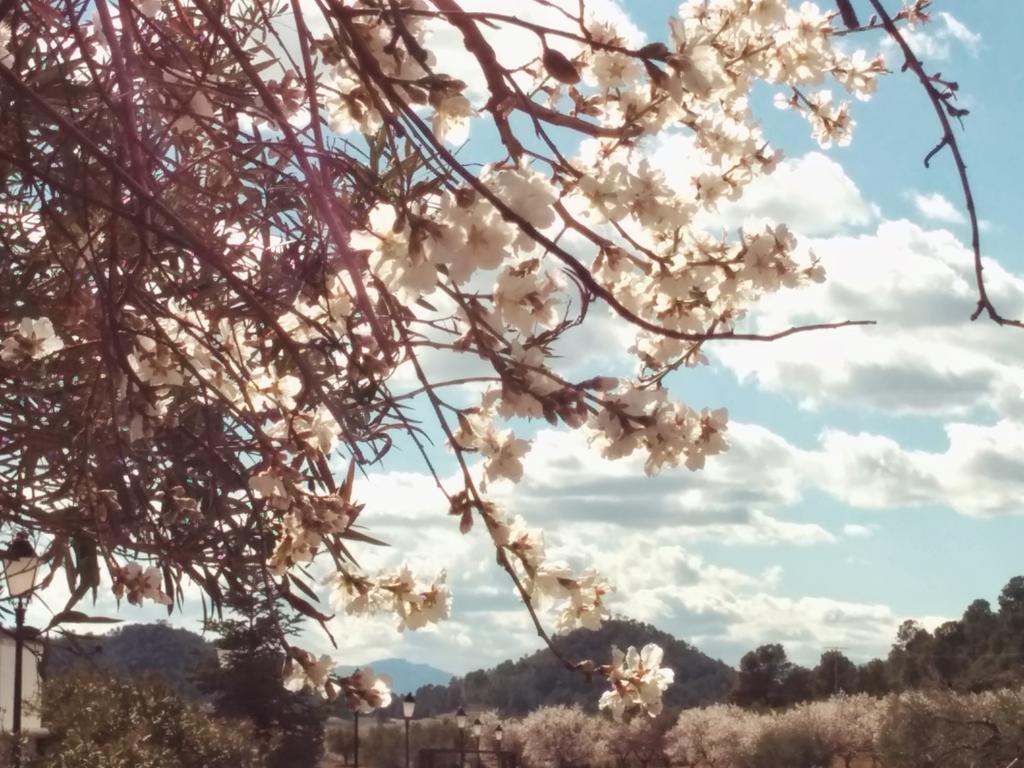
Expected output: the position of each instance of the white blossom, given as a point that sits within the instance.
(638, 681)
(34, 340)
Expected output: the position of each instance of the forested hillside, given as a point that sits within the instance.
(518, 687)
(135, 650)
(983, 650)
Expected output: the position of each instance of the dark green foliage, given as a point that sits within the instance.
(97, 720)
(516, 688)
(873, 678)
(794, 746)
(763, 676)
(982, 651)
(835, 674)
(246, 683)
(133, 651)
(767, 678)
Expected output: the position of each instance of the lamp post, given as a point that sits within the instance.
(20, 565)
(499, 734)
(408, 707)
(478, 729)
(460, 721)
(355, 747)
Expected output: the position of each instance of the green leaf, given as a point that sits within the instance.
(77, 617)
(357, 536)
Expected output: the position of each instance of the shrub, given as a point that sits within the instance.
(98, 721)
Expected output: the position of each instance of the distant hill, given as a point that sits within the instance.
(134, 650)
(512, 687)
(517, 687)
(405, 675)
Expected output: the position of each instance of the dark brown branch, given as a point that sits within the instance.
(943, 109)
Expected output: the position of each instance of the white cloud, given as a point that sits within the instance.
(640, 533)
(924, 356)
(980, 473)
(937, 207)
(873, 471)
(726, 612)
(811, 194)
(858, 531)
(958, 31)
(760, 472)
(934, 41)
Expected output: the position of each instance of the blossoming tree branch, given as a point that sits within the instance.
(234, 234)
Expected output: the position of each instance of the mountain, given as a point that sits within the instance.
(517, 687)
(405, 675)
(512, 687)
(135, 650)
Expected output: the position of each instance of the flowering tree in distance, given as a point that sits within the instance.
(560, 737)
(238, 236)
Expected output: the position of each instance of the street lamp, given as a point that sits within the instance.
(478, 729)
(460, 721)
(355, 746)
(408, 707)
(20, 566)
(499, 734)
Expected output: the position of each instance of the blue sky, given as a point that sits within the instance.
(850, 568)
(874, 474)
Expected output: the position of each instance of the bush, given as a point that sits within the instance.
(98, 721)
(953, 731)
(792, 746)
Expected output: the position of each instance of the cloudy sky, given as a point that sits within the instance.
(875, 474)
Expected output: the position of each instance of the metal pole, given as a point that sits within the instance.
(462, 748)
(407, 742)
(355, 750)
(478, 752)
(19, 644)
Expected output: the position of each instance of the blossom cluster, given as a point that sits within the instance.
(578, 597)
(638, 681)
(305, 518)
(33, 340)
(136, 584)
(363, 691)
(415, 604)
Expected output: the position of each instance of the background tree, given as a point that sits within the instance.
(98, 721)
(762, 675)
(911, 660)
(793, 743)
(646, 738)
(560, 737)
(714, 737)
(950, 653)
(799, 684)
(874, 678)
(930, 728)
(835, 674)
(982, 636)
(244, 681)
(978, 652)
(844, 727)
